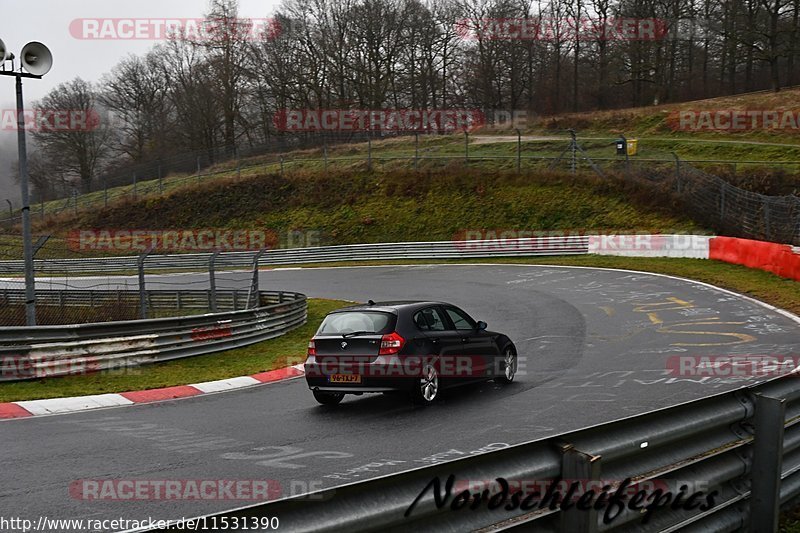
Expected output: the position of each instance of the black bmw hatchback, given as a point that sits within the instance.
(418, 348)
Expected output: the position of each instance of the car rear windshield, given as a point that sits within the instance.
(364, 322)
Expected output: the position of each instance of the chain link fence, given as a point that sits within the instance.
(735, 212)
(101, 296)
(719, 203)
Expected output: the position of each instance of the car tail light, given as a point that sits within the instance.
(391, 343)
(312, 348)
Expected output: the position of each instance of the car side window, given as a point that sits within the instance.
(430, 319)
(460, 319)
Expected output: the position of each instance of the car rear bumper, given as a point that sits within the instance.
(382, 373)
(376, 374)
(349, 389)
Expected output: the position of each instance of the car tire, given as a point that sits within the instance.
(509, 364)
(328, 398)
(427, 388)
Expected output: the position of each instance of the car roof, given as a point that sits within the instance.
(391, 306)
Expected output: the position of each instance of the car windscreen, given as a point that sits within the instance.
(364, 322)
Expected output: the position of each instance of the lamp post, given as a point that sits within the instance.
(36, 59)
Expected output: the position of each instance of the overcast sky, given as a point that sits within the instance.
(48, 21)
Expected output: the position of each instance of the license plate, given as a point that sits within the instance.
(344, 378)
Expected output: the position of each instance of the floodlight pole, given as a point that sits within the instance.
(27, 248)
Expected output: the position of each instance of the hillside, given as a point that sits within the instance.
(360, 192)
(660, 120)
(353, 207)
(765, 161)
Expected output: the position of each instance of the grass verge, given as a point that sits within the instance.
(275, 353)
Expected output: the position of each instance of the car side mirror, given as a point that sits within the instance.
(481, 325)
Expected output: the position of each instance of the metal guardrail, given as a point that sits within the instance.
(535, 246)
(39, 351)
(230, 300)
(745, 445)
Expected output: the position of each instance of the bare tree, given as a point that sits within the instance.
(136, 93)
(79, 148)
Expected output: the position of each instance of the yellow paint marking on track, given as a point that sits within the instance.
(742, 337)
(609, 311)
(675, 303)
(654, 318)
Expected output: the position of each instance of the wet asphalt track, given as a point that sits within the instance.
(594, 346)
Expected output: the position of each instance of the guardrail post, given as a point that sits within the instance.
(142, 289)
(627, 157)
(281, 166)
(466, 148)
(677, 172)
(416, 151)
(519, 151)
(580, 467)
(212, 283)
(254, 285)
(769, 420)
(135, 190)
(574, 147)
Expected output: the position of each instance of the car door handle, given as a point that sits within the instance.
(434, 340)
(464, 339)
